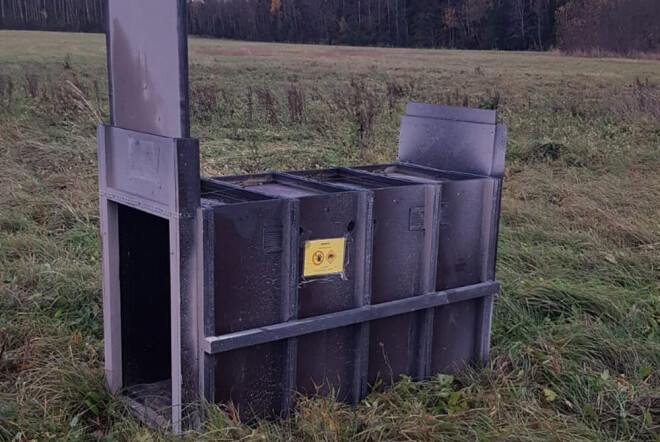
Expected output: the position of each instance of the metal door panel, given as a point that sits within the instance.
(334, 358)
(252, 288)
(455, 336)
(253, 379)
(249, 280)
(461, 252)
(393, 348)
(148, 66)
(326, 363)
(331, 216)
(400, 269)
(448, 145)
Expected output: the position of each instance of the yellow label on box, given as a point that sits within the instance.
(324, 256)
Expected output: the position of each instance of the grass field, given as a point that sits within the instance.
(576, 334)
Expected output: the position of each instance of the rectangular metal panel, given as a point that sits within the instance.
(331, 216)
(254, 380)
(140, 166)
(148, 66)
(463, 253)
(448, 145)
(206, 298)
(403, 243)
(400, 231)
(464, 258)
(455, 336)
(326, 363)
(159, 175)
(250, 268)
(328, 360)
(252, 287)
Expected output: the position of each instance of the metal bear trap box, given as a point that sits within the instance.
(254, 289)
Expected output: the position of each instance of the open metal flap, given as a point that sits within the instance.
(148, 66)
(453, 138)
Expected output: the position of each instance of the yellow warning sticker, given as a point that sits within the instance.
(324, 256)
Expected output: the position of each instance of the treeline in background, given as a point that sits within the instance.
(614, 26)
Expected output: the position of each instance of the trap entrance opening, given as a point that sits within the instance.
(144, 281)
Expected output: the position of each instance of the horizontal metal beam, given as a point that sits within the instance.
(284, 330)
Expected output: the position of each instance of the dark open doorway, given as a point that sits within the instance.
(144, 274)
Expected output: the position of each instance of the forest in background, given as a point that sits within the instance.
(614, 26)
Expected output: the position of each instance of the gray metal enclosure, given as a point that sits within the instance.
(254, 289)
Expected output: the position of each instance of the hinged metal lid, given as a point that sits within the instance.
(453, 138)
